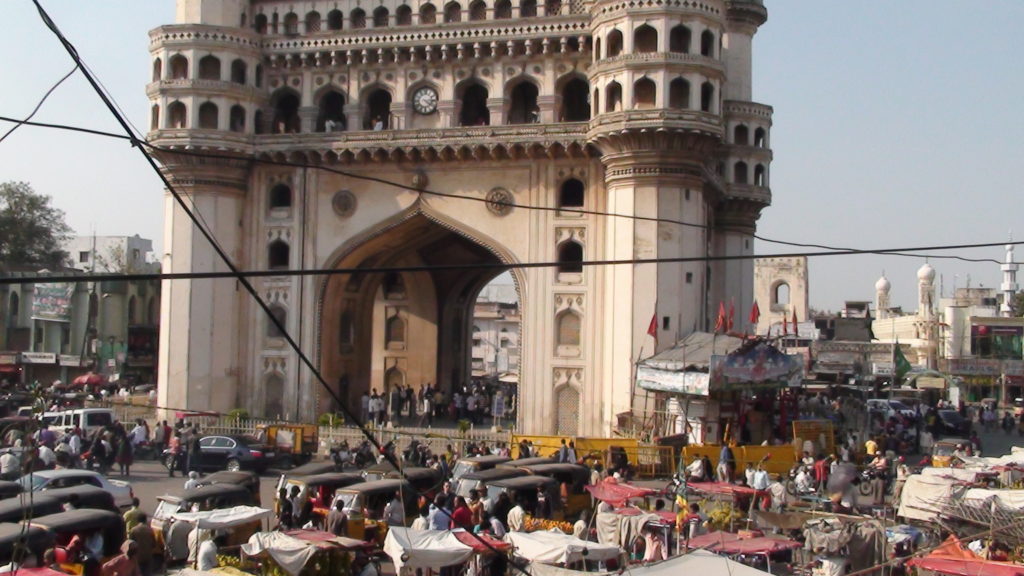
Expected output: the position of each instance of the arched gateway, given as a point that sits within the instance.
(410, 328)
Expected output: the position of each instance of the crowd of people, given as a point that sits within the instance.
(405, 405)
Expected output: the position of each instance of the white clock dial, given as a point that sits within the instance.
(424, 101)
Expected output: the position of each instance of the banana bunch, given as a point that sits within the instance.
(531, 524)
(722, 516)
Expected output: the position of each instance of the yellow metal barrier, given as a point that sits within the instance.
(782, 457)
(542, 445)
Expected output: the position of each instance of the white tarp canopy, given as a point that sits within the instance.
(290, 553)
(924, 497)
(962, 474)
(1009, 498)
(555, 547)
(424, 548)
(696, 562)
(224, 517)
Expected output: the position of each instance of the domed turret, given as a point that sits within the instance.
(926, 272)
(883, 284)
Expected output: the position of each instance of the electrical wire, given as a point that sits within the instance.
(39, 105)
(498, 266)
(567, 210)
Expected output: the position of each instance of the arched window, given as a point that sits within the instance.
(273, 23)
(644, 94)
(278, 255)
(312, 22)
(153, 311)
(614, 43)
(759, 138)
(280, 196)
(759, 179)
(527, 8)
(478, 10)
(380, 17)
(357, 19)
(780, 296)
(739, 173)
(133, 305)
(645, 39)
(281, 314)
(209, 68)
(332, 113)
(259, 75)
(523, 108)
(14, 310)
(208, 116)
(613, 97)
(741, 135)
(238, 71)
(378, 110)
(394, 331)
(177, 114)
(428, 14)
(394, 286)
(403, 15)
(679, 40)
(273, 394)
(568, 328)
(502, 10)
(334, 19)
(679, 94)
(154, 117)
(179, 67)
(347, 335)
(260, 23)
(291, 24)
(575, 107)
(552, 7)
(571, 195)
(597, 101)
(158, 70)
(286, 112)
(453, 12)
(474, 110)
(257, 122)
(237, 120)
(707, 44)
(393, 378)
(597, 49)
(707, 96)
(570, 257)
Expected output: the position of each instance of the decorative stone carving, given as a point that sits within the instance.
(344, 203)
(499, 202)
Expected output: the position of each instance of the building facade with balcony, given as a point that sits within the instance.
(419, 149)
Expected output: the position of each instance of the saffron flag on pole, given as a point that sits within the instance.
(755, 315)
(732, 315)
(796, 331)
(720, 321)
(652, 329)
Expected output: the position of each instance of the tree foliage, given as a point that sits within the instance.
(31, 229)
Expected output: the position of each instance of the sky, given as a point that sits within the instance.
(897, 124)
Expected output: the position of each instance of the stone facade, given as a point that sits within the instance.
(502, 129)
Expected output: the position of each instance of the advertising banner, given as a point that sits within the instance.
(53, 302)
(38, 358)
(760, 365)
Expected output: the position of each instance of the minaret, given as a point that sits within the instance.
(926, 291)
(882, 305)
(1009, 285)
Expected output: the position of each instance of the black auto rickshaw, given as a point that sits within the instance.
(9, 489)
(364, 505)
(572, 480)
(528, 462)
(54, 501)
(378, 471)
(20, 543)
(99, 533)
(465, 466)
(319, 490)
(426, 481)
(247, 479)
(479, 480)
(526, 490)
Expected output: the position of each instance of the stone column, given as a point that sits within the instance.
(307, 117)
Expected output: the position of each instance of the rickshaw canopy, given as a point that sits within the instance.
(224, 518)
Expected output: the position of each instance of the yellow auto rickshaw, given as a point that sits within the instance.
(942, 451)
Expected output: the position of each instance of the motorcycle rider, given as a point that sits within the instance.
(879, 469)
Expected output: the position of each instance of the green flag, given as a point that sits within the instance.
(900, 364)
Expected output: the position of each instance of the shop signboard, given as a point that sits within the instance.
(73, 360)
(53, 301)
(38, 358)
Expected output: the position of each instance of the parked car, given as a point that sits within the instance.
(232, 453)
(890, 408)
(50, 479)
(951, 423)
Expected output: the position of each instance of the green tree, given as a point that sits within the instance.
(31, 229)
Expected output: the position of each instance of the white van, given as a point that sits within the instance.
(88, 419)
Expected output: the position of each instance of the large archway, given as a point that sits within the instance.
(375, 325)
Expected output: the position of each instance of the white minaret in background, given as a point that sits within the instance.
(1009, 285)
(882, 305)
(925, 291)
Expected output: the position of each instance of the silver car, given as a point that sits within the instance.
(64, 478)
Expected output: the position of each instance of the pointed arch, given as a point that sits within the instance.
(331, 116)
(133, 310)
(453, 12)
(403, 15)
(179, 67)
(291, 24)
(381, 17)
(377, 111)
(280, 196)
(313, 22)
(522, 97)
(527, 8)
(394, 332)
(570, 257)
(645, 39)
(280, 313)
(473, 110)
(741, 135)
(158, 70)
(613, 43)
(357, 19)
(428, 14)
(571, 194)
(477, 10)
(236, 122)
(209, 67)
(645, 94)
(273, 396)
(154, 117)
(502, 10)
(278, 255)
(239, 71)
(259, 23)
(707, 97)
(285, 103)
(679, 39)
(679, 94)
(209, 116)
(177, 115)
(575, 105)
(567, 408)
(707, 43)
(739, 173)
(334, 19)
(760, 175)
(760, 137)
(613, 97)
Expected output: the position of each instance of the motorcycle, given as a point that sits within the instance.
(342, 456)
(792, 486)
(867, 476)
(363, 455)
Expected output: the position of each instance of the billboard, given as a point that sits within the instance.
(53, 301)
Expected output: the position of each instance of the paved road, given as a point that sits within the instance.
(149, 480)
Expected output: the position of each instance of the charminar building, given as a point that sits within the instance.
(533, 122)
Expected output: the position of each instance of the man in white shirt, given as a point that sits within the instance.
(47, 455)
(10, 466)
(207, 557)
(193, 480)
(75, 442)
(516, 517)
(394, 512)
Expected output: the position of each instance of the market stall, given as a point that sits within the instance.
(428, 549)
(560, 549)
(298, 551)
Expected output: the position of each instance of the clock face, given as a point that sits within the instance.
(424, 101)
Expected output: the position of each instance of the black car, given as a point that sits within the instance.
(235, 452)
(951, 423)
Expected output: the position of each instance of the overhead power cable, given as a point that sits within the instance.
(237, 273)
(20, 123)
(566, 210)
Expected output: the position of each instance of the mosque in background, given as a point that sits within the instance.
(529, 118)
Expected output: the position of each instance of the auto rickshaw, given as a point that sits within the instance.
(465, 466)
(201, 499)
(378, 471)
(364, 504)
(9, 489)
(942, 451)
(101, 532)
(53, 501)
(426, 481)
(294, 444)
(33, 540)
(525, 489)
(246, 479)
(519, 462)
(478, 480)
(308, 469)
(319, 489)
(572, 480)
